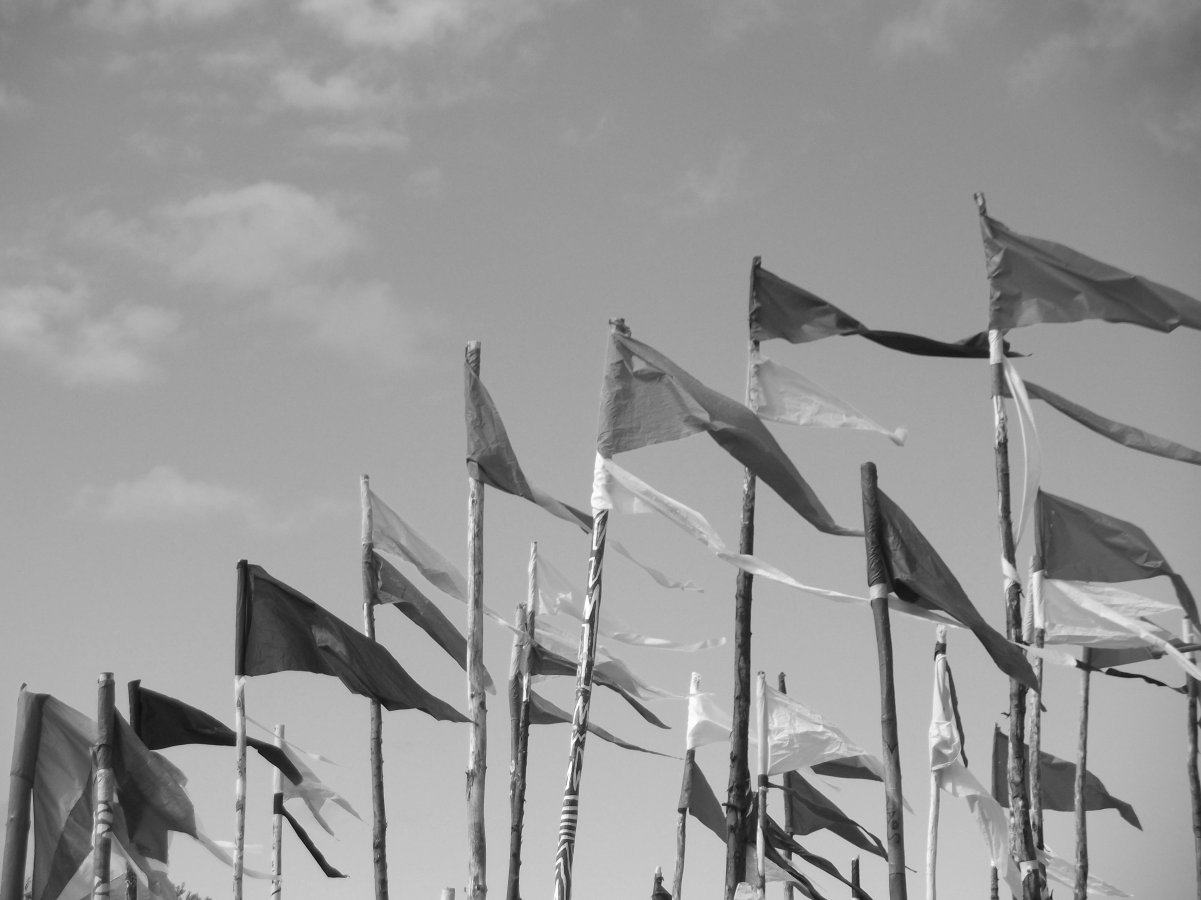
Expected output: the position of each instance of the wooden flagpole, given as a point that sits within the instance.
(26, 737)
(477, 753)
(788, 823)
(240, 745)
(1021, 840)
(738, 786)
(677, 882)
(761, 825)
(102, 827)
(1194, 782)
(940, 648)
(277, 824)
(569, 815)
(519, 715)
(1081, 887)
(135, 722)
(379, 818)
(878, 589)
(1033, 768)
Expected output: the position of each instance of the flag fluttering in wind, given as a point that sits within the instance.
(780, 394)
(389, 532)
(1034, 281)
(919, 575)
(279, 629)
(696, 796)
(1059, 783)
(810, 810)
(797, 736)
(647, 399)
(164, 721)
(395, 589)
(543, 712)
(312, 791)
(783, 310)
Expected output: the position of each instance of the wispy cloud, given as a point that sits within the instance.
(931, 28)
(703, 188)
(59, 329)
(344, 91)
(733, 19)
(164, 495)
(128, 15)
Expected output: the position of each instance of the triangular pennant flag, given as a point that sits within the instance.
(797, 736)
(312, 791)
(389, 532)
(543, 712)
(696, 796)
(810, 810)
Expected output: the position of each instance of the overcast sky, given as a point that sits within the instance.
(243, 244)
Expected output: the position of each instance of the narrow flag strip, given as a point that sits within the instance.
(780, 394)
(318, 857)
(1032, 454)
(1066, 621)
(312, 791)
(647, 399)
(610, 667)
(1034, 281)
(1064, 872)
(543, 712)
(390, 532)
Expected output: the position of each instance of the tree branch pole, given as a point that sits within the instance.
(135, 722)
(738, 786)
(788, 823)
(477, 753)
(940, 650)
(102, 822)
(519, 716)
(879, 587)
(240, 744)
(1033, 768)
(1081, 887)
(677, 883)
(761, 824)
(26, 737)
(1194, 782)
(277, 824)
(569, 815)
(379, 818)
(1021, 840)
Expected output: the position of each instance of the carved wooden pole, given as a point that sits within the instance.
(102, 827)
(26, 737)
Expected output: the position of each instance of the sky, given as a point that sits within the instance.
(245, 242)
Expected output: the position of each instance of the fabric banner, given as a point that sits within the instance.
(647, 399)
(391, 533)
(707, 722)
(696, 796)
(797, 736)
(312, 791)
(810, 810)
(780, 394)
(281, 630)
(318, 857)
(543, 712)
(1032, 453)
(1034, 281)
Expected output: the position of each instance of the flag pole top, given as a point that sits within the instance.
(620, 326)
(981, 204)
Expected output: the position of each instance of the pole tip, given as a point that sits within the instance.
(980, 203)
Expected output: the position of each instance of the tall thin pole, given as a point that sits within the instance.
(519, 714)
(277, 824)
(1194, 782)
(240, 744)
(379, 818)
(677, 883)
(1081, 888)
(761, 825)
(569, 815)
(1034, 770)
(878, 590)
(26, 737)
(477, 753)
(788, 823)
(738, 786)
(135, 722)
(102, 826)
(855, 878)
(940, 650)
(1021, 839)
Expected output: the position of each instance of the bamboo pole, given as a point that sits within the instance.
(761, 825)
(1194, 782)
(940, 650)
(788, 823)
(677, 883)
(379, 817)
(738, 785)
(519, 715)
(277, 824)
(26, 737)
(569, 815)
(102, 823)
(477, 753)
(1081, 887)
(878, 590)
(1021, 841)
(135, 722)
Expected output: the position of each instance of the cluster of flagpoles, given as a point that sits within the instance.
(279, 629)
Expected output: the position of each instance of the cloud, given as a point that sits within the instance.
(931, 28)
(701, 189)
(732, 19)
(339, 92)
(129, 15)
(57, 329)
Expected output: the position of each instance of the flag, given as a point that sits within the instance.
(1033, 281)
(543, 712)
(778, 842)
(312, 791)
(395, 589)
(696, 796)
(783, 310)
(780, 394)
(318, 857)
(1059, 783)
(389, 532)
(797, 736)
(166, 722)
(810, 810)
(647, 399)
(1075, 612)
(1127, 435)
(610, 667)
(707, 722)
(1076, 543)
(919, 575)
(281, 630)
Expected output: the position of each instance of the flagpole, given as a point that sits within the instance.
(1194, 782)
(878, 590)
(761, 825)
(26, 737)
(277, 824)
(739, 782)
(102, 827)
(1081, 888)
(568, 816)
(477, 753)
(940, 649)
(379, 818)
(788, 894)
(1021, 841)
(240, 742)
(519, 715)
(135, 722)
(694, 687)
(1033, 768)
